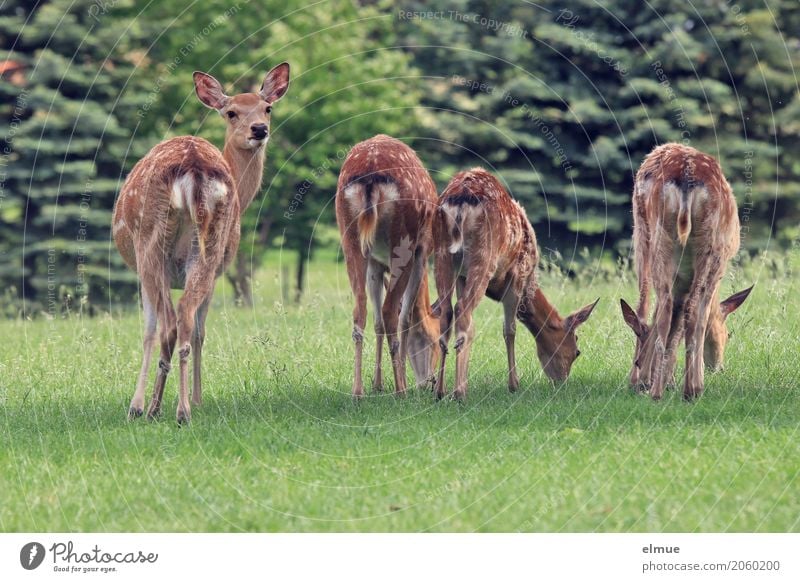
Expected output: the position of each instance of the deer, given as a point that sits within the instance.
(485, 245)
(685, 231)
(176, 223)
(385, 203)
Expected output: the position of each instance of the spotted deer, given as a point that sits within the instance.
(485, 245)
(385, 202)
(176, 223)
(686, 230)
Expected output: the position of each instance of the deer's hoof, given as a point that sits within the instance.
(358, 395)
(401, 393)
(135, 412)
(183, 417)
(459, 395)
(692, 394)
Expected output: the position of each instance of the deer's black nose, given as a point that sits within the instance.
(259, 130)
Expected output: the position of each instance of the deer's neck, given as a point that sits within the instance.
(539, 315)
(248, 168)
(422, 304)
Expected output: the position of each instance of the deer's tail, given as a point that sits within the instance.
(454, 226)
(684, 222)
(367, 221)
(199, 195)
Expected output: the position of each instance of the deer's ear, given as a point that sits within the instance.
(733, 302)
(579, 317)
(630, 317)
(209, 91)
(275, 83)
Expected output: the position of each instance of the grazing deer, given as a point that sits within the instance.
(485, 245)
(686, 229)
(385, 202)
(177, 220)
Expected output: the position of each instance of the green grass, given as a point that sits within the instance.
(279, 446)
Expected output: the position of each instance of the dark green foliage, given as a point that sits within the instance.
(347, 84)
(67, 143)
(564, 103)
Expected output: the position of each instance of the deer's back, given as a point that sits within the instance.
(671, 171)
(672, 175)
(385, 159)
(494, 227)
(153, 208)
(391, 176)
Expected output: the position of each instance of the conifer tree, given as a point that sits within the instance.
(67, 143)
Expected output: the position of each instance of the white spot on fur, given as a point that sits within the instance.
(117, 227)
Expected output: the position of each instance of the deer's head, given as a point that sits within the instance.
(557, 345)
(423, 347)
(715, 341)
(556, 338)
(717, 331)
(247, 114)
(641, 330)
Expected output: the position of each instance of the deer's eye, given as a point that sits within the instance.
(269, 109)
(231, 115)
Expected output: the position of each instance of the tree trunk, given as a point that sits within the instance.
(301, 271)
(240, 276)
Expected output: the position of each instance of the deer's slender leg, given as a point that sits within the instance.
(392, 305)
(655, 362)
(148, 342)
(445, 287)
(511, 301)
(662, 329)
(357, 273)
(675, 336)
(168, 333)
(375, 286)
(708, 273)
(418, 266)
(199, 288)
(198, 338)
(473, 291)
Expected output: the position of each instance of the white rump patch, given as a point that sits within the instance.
(389, 192)
(182, 189)
(351, 192)
(672, 196)
(215, 190)
(700, 195)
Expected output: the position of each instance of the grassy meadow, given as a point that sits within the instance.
(280, 446)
